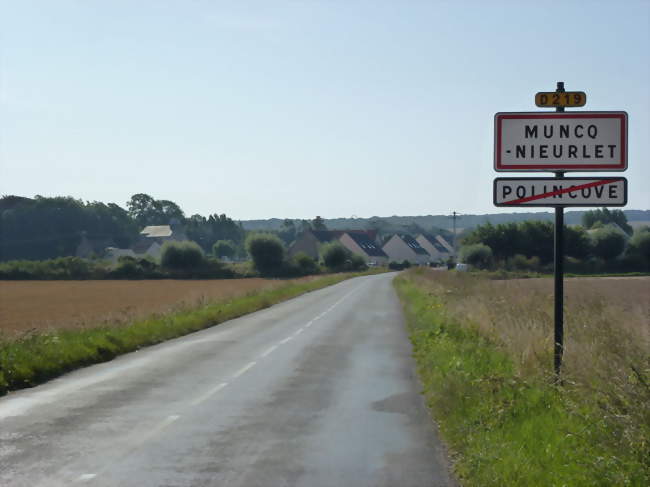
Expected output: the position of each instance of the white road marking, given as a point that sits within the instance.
(153, 431)
(286, 340)
(268, 351)
(86, 477)
(298, 332)
(208, 394)
(244, 369)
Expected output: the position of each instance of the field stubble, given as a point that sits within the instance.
(30, 306)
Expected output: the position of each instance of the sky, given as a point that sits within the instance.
(301, 108)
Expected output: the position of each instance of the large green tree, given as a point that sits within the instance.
(267, 252)
(530, 238)
(146, 210)
(605, 216)
(608, 243)
(207, 231)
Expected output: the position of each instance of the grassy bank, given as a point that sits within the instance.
(484, 356)
(37, 358)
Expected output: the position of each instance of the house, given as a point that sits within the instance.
(436, 250)
(440, 239)
(92, 247)
(146, 248)
(160, 233)
(360, 243)
(309, 242)
(404, 247)
(153, 237)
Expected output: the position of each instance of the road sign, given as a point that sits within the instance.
(560, 192)
(554, 99)
(560, 141)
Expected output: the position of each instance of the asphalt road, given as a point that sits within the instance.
(316, 391)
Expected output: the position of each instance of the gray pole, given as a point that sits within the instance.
(559, 271)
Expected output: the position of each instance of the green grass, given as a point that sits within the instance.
(504, 429)
(35, 359)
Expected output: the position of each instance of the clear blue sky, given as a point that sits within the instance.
(303, 108)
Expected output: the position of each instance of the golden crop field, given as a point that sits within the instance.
(39, 305)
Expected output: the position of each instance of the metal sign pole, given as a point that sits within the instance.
(543, 141)
(559, 271)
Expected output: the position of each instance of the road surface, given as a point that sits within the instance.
(316, 391)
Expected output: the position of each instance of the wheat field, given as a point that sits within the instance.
(27, 306)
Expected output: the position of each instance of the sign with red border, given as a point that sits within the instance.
(560, 192)
(560, 141)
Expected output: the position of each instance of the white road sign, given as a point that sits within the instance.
(560, 141)
(560, 192)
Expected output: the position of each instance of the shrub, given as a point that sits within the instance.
(59, 268)
(357, 263)
(607, 243)
(398, 266)
(224, 248)
(181, 256)
(522, 263)
(267, 252)
(335, 256)
(135, 268)
(305, 264)
(640, 243)
(477, 255)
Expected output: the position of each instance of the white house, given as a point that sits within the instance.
(440, 239)
(436, 250)
(404, 247)
(361, 244)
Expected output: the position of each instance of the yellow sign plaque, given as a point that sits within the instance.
(566, 99)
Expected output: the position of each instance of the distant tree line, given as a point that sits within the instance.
(47, 228)
(604, 243)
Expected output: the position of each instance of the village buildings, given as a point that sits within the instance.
(360, 242)
(437, 251)
(400, 248)
(424, 250)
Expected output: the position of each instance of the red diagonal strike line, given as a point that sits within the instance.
(561, 191)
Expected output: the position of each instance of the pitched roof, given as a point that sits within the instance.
(142, 246)
(443, 241)
(155, 231)
(329, 235)
(325, 235)
(366, 244)
(413, 245)
(435, 244)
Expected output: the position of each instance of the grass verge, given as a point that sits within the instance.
(35, 359)
(506, 427)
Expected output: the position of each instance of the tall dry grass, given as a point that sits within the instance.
(607, 339)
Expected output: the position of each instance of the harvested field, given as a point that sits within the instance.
(30, 305)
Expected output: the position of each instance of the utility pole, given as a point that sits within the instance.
(454, 216)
